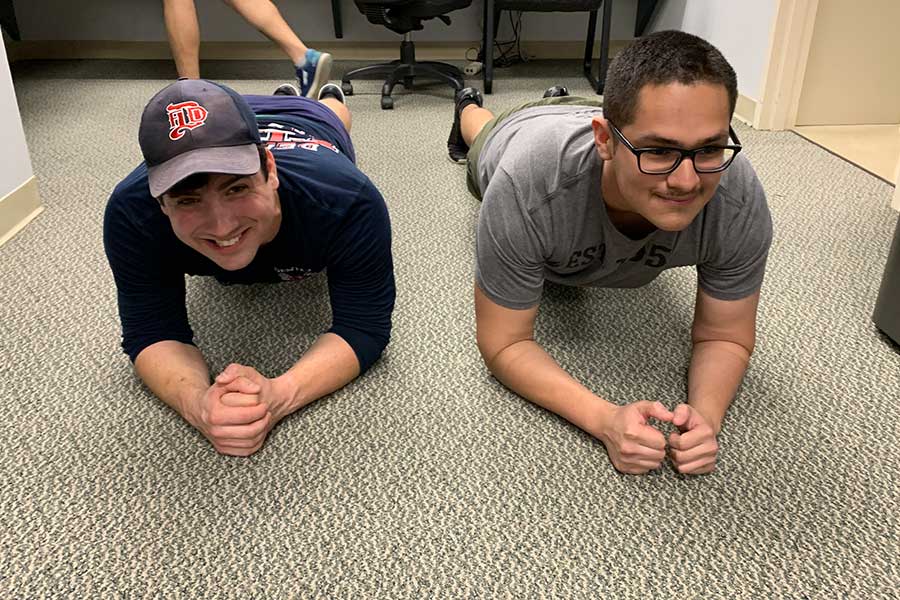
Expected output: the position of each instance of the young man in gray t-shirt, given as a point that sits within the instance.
(582, 196)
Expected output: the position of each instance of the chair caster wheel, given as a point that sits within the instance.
(347, 88)
(387, 103)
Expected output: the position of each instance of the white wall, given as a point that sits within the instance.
(740, 29)
(141, 20)
(15, 164)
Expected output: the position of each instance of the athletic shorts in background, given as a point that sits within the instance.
(485, 133)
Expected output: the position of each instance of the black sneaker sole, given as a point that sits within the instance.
(457, 148)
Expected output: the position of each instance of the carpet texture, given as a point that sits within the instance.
(426, 478)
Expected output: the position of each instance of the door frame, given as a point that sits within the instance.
(895, 203)
(789, 44)
(782, 85)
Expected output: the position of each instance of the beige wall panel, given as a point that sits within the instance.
(853, 72)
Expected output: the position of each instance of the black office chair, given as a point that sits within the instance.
(492, 12)
(404, 16)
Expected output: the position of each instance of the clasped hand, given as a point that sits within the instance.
(636, 447)
(237, 411)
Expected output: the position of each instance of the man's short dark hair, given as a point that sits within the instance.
(198, 180)
(658, 59)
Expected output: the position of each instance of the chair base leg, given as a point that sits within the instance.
(405, 72)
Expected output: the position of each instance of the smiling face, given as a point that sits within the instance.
(671, 115)
(229, 217)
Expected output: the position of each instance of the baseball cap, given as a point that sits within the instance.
(197, 126)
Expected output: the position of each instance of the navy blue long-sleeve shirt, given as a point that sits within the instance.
(333, 220)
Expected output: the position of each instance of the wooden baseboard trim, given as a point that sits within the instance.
(895, 200)
(341, 50)
(18, 209)
(747, 110)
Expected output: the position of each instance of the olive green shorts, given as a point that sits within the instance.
(478, 144)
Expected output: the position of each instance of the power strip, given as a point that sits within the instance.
(473, 68)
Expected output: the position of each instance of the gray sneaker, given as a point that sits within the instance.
(557, 91)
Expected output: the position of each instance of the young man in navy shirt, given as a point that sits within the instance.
(247, 189)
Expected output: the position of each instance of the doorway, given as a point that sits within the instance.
(849, 101)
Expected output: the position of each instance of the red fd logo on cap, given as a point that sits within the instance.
(184, 117)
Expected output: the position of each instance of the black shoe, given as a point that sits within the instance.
(332, 90)
(286, 89)
(456, 146)
(556, 91)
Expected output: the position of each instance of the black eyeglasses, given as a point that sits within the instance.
(663, 160)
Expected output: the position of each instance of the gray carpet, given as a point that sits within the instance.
(426, 478)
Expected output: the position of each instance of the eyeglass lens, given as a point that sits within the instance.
(706, 159)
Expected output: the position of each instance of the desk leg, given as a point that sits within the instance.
(645, 11)
(8, 19)
(336, 17)
(487, 45)
(589, 44)
(604, 45)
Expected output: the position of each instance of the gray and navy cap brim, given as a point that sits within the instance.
(233, 160)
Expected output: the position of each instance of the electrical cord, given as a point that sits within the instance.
(506, 56)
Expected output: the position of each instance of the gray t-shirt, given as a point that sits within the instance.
(543, 218)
